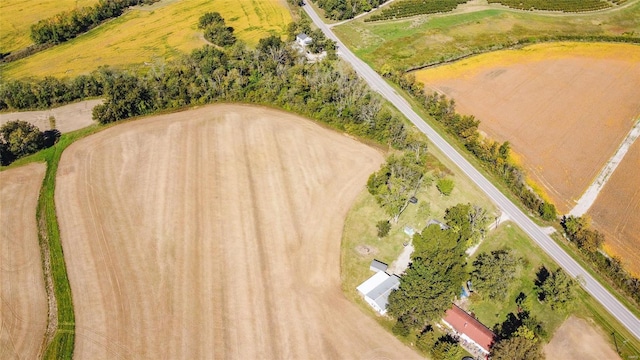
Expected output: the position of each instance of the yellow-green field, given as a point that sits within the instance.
(17, 16)
(142, 35)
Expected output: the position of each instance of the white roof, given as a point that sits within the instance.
(372, 282)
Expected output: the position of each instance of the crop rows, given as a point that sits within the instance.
(406, 8)
(555, 5)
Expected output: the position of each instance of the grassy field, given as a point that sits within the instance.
(17, 16)
(159, 32)
(432, 38)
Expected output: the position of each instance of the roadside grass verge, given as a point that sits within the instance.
(139, 37)
(19, 15)
(430, 39)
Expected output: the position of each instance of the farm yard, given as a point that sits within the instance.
(564, 107)
(67, 118)
(23, 305)
(208, 233)
(615, 212)
(149, 33)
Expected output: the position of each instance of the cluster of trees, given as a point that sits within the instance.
(493, 155)
(20, 138)
(397, 181)
(556, 288)
(493, 273)
(406, 8)
(578, 230)
(563, 5)
(436, 271)
(69, 24)
(346, 9)
(216, 30)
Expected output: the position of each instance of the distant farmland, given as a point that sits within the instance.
(564, 107)
(18, 15)
(158, 32)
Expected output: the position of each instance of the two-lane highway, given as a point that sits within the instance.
(377, 83)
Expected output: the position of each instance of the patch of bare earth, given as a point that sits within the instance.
(577, 339)
(565, 117)
(616, 211)
(214, 233)
(23, 305)
(68, 117)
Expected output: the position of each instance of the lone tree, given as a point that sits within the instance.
(493, 273)
(557, 289)
(20, 138)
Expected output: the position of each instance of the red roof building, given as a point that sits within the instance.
(469, 329)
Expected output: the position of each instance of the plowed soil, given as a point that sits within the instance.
(68, 117)
(23, 309)
(214, 233)
(616, 211)
(564, 107)
(576, 339)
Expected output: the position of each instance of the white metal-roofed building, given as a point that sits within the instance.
(377, 288)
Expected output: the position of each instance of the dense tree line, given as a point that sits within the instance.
(493, 155)
(556, 5)
(69, 24)
(578, 230)
(346, 9)
(49, 91)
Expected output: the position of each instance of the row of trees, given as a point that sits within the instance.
(578, 230)
(493, 155)
(346, 9)
(69, 24)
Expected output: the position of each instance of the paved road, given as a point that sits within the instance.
(592, 286)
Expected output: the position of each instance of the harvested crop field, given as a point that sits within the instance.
(23, 305)
(564, 107)
(214, 233)
(616, 211)
(67, 118)
(577, 339)
(152, 34)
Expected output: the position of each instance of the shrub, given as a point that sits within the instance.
(445, 186)
(383, 228)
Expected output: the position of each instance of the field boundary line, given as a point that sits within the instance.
(589, 197)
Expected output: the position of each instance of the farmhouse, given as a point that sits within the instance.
(470, 330)
(377, 288)
(303, 39)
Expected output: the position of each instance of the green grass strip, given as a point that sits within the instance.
(62, 343)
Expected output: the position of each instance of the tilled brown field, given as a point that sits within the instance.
(564, 107)
(577, 339)
(616, 211)
(214, 233)
(68, 117)
(23, 309)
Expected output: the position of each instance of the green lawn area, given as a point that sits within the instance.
(427, 39)
(491, 312)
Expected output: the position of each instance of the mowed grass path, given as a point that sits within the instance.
(17, 16)
(149, 33)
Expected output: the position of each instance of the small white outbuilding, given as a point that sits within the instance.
(303, 39)
(377, 288)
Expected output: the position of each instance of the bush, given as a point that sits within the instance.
(383, 228)
(20, 138)
(547, 211)
(445, 186)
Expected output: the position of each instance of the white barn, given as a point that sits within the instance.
(377, 288)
